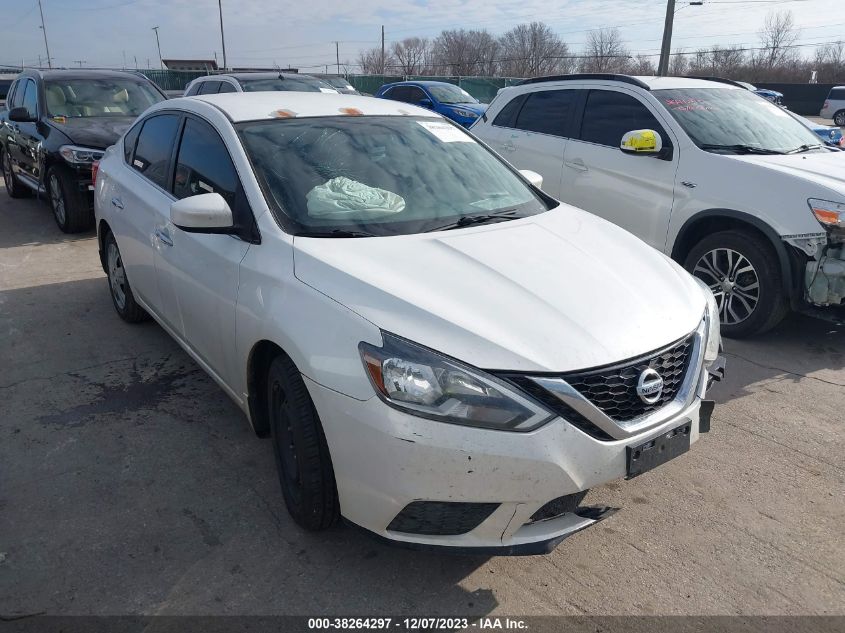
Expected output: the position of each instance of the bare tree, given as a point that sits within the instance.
(411, 55)
(372, 62)
(462, 52)
(532, 50)
(777, 37)
(829, 62)
(642, 65)
(719, 61)
(679, 64)
(605, 52)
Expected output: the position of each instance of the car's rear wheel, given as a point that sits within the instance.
(121, 292)
(302, 455)
(14, 188)
(69, 205)
(744, 274)
(839, 118)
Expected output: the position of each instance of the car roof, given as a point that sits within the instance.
(645, 82)
(260, 75)
(422, 82)
(252, 106)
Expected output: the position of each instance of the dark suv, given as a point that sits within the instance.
(56, 123)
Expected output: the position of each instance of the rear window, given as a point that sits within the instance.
(295, 84)
(837, 94)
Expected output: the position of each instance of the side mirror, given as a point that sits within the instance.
(204, 213)
(426, 103)
(533, 177)
(21, 115)
(642, 142)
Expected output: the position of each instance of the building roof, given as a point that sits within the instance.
(252, 106)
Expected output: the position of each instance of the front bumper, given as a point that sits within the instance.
(385, 459)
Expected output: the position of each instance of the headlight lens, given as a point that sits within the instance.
(80, 155)
(422, 382)
(830, 214)
(714, 332)
(465, 113)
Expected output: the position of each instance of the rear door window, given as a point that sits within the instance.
(209, 88)
(129, 142)
(837, 94)
(415, 95)
(154, 147)
(608, 115)
(547, 112)
(507, 115)
(225, 86)
(399, 93)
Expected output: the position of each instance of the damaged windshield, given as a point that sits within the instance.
(381, 175)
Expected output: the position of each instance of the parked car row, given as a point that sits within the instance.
(373, 265)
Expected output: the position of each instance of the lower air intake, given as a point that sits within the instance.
(441, 518)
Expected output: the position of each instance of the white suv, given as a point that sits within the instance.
(416, 326)
(728, 184)
(834, 106)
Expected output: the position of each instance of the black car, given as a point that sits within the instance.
(56, 123)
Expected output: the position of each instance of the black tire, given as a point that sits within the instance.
(70, 206)
(13, 187)
(299, 445)
(119, 289)
(736, 291)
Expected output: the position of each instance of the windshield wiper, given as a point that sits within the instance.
(335, 233)
(805, 148)
(740, 149)
(469, 220)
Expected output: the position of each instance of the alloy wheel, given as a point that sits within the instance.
(57, 200)
(117, 276)
(285, 443)
(839, 119)
(734, 283)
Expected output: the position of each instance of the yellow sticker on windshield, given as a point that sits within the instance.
(60, 119)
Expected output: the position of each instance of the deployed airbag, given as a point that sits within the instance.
(342, 197)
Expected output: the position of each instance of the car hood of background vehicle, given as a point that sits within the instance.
(556, 292)
(94, 132)
(825, 168)
(477, 108)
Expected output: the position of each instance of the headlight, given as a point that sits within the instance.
(830, 214)
(465, 113)
(714, 332)
(80, 155)
(422, 382)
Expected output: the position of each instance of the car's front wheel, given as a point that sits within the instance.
(302, 455)
(14, 188)
(121, 292)
(839, 118)
(743, 272)
(70, 208)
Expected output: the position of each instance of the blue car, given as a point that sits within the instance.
(442, 97)
(830, 135)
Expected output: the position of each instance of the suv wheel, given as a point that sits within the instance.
(302, 455)
(14, 188)
(839, 118)
(743, 272)
(69, 205)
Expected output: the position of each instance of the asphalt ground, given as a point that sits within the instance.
(130, 484)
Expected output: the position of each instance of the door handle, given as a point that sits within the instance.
(577, 165)
(117, 202)
(164, 237)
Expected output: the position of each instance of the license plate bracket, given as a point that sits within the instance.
(659, 450)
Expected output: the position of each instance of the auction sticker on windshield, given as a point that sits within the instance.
(446, 132)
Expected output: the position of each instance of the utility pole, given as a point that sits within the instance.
(124, 60)
(383, 60)
(44, 30)
(79, 61)
(337, 55)
(136, 61)
(158, 44)
(222, 37)
(666, 48)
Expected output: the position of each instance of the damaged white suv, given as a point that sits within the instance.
(726, 183)
(442, 354)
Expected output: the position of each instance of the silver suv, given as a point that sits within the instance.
(834, 106)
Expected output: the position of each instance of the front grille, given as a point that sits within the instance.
(441, 517)
(614, 390)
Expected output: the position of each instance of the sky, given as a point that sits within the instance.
(292, 33)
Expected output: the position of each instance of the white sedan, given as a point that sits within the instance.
(442, 354)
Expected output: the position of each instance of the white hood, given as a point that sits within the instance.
(819, 168)
(556, 292)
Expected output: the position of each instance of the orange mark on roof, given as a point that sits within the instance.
(283, 114)
(351, 111)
